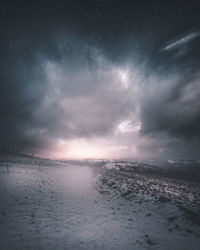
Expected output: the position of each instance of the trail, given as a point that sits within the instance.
(64, 207)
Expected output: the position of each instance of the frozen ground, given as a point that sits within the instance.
(63, 206)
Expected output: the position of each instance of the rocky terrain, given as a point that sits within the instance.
(151, 185)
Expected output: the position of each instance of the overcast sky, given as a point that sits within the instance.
(101, 79)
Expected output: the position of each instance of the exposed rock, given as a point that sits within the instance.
(172, 218)
(163, 198)
(151, 242)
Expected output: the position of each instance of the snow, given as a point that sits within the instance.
(64, 206)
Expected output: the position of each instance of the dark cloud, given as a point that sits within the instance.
(123, 71)
(173, 108)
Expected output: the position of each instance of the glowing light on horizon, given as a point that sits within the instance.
(89, 149)
(83, 149)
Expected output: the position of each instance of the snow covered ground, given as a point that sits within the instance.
(64, 206)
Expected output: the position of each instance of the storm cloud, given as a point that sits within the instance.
(105, 76)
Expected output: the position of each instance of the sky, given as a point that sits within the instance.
(100, 79)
